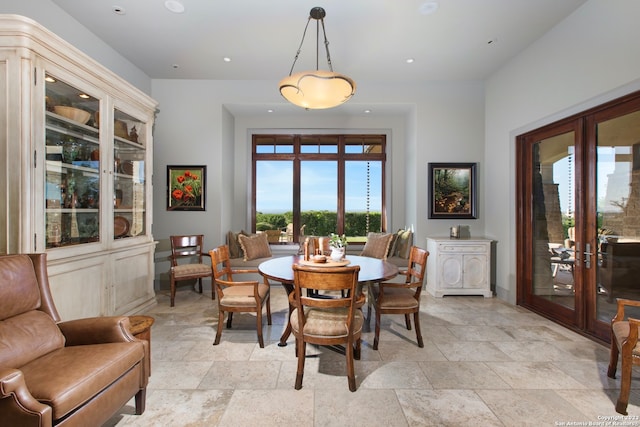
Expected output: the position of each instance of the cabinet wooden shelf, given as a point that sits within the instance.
(78, 190)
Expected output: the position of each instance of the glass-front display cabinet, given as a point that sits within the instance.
(77, 140)
(73, 169)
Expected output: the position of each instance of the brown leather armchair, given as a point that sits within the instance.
(79, 372)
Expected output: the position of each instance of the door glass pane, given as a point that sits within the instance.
(553, 219)
(274, 200)
(72, 177)
(618, 217)
(363, 199)
(319, 197)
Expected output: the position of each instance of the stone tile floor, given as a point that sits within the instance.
(484, 363)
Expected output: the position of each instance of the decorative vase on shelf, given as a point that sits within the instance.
(70, 151)
(337, 254)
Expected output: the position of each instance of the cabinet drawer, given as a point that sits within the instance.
(462, 249)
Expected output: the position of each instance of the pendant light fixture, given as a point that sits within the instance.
(316, 89)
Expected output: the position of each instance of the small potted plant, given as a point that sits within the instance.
(338, 245)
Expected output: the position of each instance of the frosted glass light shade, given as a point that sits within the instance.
(317, 89)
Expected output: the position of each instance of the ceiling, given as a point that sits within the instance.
(369, 39)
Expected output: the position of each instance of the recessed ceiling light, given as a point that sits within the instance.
(410, 60)
(367, 111)
(429, 7)
(119, 10)
(175, 66)
(84, 96)
(226, 59)
(269, 110)
(174, 6)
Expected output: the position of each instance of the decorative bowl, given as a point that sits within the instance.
(72, 113)
(319, 258)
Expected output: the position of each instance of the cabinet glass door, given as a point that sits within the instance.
(72, 177)
(129, 176)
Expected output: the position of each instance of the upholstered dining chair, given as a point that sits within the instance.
(186, 262)
(624, 342)
(322, 320)
(237, 296)
(401, 298)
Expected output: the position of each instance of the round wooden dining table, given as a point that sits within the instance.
(280, 269)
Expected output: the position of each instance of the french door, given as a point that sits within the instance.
(578, 223)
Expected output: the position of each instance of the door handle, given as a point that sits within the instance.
(587, 255)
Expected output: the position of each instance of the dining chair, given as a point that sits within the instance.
(289, 232)
(322, 320)
(401, 297)
(237, 296)
(186, 262)
(624, 342)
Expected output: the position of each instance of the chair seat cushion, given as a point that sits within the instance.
(65, 378)
(329, 323)
(242, 296)
(188, 270)
(621, 332)
(397, 298)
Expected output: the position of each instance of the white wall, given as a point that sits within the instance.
(589, 58)
(55, 19)
(439, 122)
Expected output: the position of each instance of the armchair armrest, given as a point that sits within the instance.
(23, 408)
(620, 310)
(100, 330)
(96, 330)
(627, 345)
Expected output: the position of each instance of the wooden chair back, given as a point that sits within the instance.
(417, 268)
(341, 280)
(186, 246)
(221, 264)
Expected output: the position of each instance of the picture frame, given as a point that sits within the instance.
(186, 188)
(453, 191)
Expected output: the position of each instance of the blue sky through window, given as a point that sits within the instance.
(274, 191)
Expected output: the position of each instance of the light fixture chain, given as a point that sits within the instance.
(326, 46)
(304, 33)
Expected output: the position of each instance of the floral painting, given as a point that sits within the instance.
(186, 188)
(452, 190)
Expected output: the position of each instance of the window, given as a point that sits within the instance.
(318, 184)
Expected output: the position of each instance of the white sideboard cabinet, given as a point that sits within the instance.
(459, 266)
(78, 153)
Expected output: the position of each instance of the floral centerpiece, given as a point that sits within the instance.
(336, 241)
(338, 245)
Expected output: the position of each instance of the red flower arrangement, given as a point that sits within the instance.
(186, 188)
